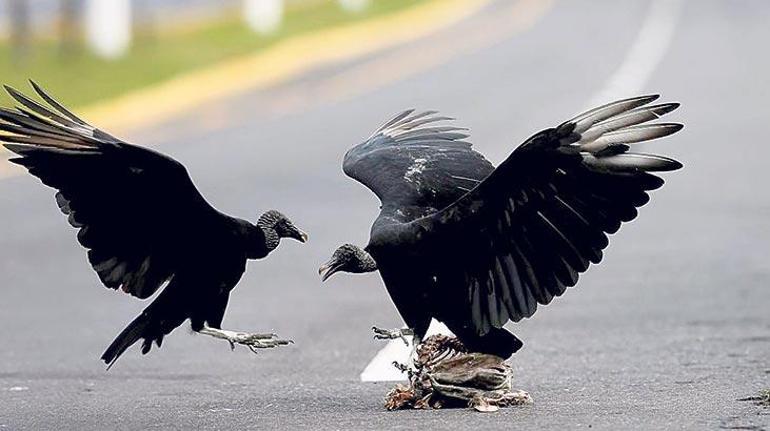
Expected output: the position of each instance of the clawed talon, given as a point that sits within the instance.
(259, 341)
(392, 334)
(401, 367)
(252, 341)
(256, 344)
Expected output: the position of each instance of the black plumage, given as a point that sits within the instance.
(476, 246)
(141, 218)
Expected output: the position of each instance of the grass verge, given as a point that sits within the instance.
(81, 78)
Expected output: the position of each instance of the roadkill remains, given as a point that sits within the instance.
(446, 374)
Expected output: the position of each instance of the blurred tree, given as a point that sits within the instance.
(20, 29)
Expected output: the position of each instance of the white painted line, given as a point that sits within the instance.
(648, 50)
(381, 368)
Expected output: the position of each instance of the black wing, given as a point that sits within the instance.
(133, 206)
(525, 233)
(414, 165)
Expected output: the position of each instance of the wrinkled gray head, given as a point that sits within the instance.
(276, 226)
(347, 258)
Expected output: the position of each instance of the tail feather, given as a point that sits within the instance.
(131, 334)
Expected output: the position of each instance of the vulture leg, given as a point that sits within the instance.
(392, 334)
(250, 340)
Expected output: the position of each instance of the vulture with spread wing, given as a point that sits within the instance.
(476, 246)
(143, 222)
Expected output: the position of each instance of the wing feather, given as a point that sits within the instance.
(413, 161)
(526, 232)
(135, 209)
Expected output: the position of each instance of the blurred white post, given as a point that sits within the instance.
(263, 16)
(354, 5)
(108, 26)
(20, 29)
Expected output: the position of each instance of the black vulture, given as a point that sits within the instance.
(143, 222)
(476, 246)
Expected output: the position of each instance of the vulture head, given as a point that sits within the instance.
(277, 225)
(347, 258)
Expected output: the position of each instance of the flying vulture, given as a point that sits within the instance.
(143, 222)
(476, 246)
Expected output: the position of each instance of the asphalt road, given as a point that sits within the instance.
(667, 333)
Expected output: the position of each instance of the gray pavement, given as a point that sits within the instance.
(667, 333)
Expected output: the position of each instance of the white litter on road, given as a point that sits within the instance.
(18, 388)
(381, 368)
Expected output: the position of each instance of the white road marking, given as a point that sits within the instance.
(644, 56)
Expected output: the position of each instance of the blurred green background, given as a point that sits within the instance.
(48, 41)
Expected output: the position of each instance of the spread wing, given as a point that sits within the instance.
(413, 162)
(522, 236)
(132, 205)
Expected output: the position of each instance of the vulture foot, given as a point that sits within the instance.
(253, 341)
(392, 334)
(446, 374)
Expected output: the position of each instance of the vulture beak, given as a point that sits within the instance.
(328, 269)
(298, 235)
